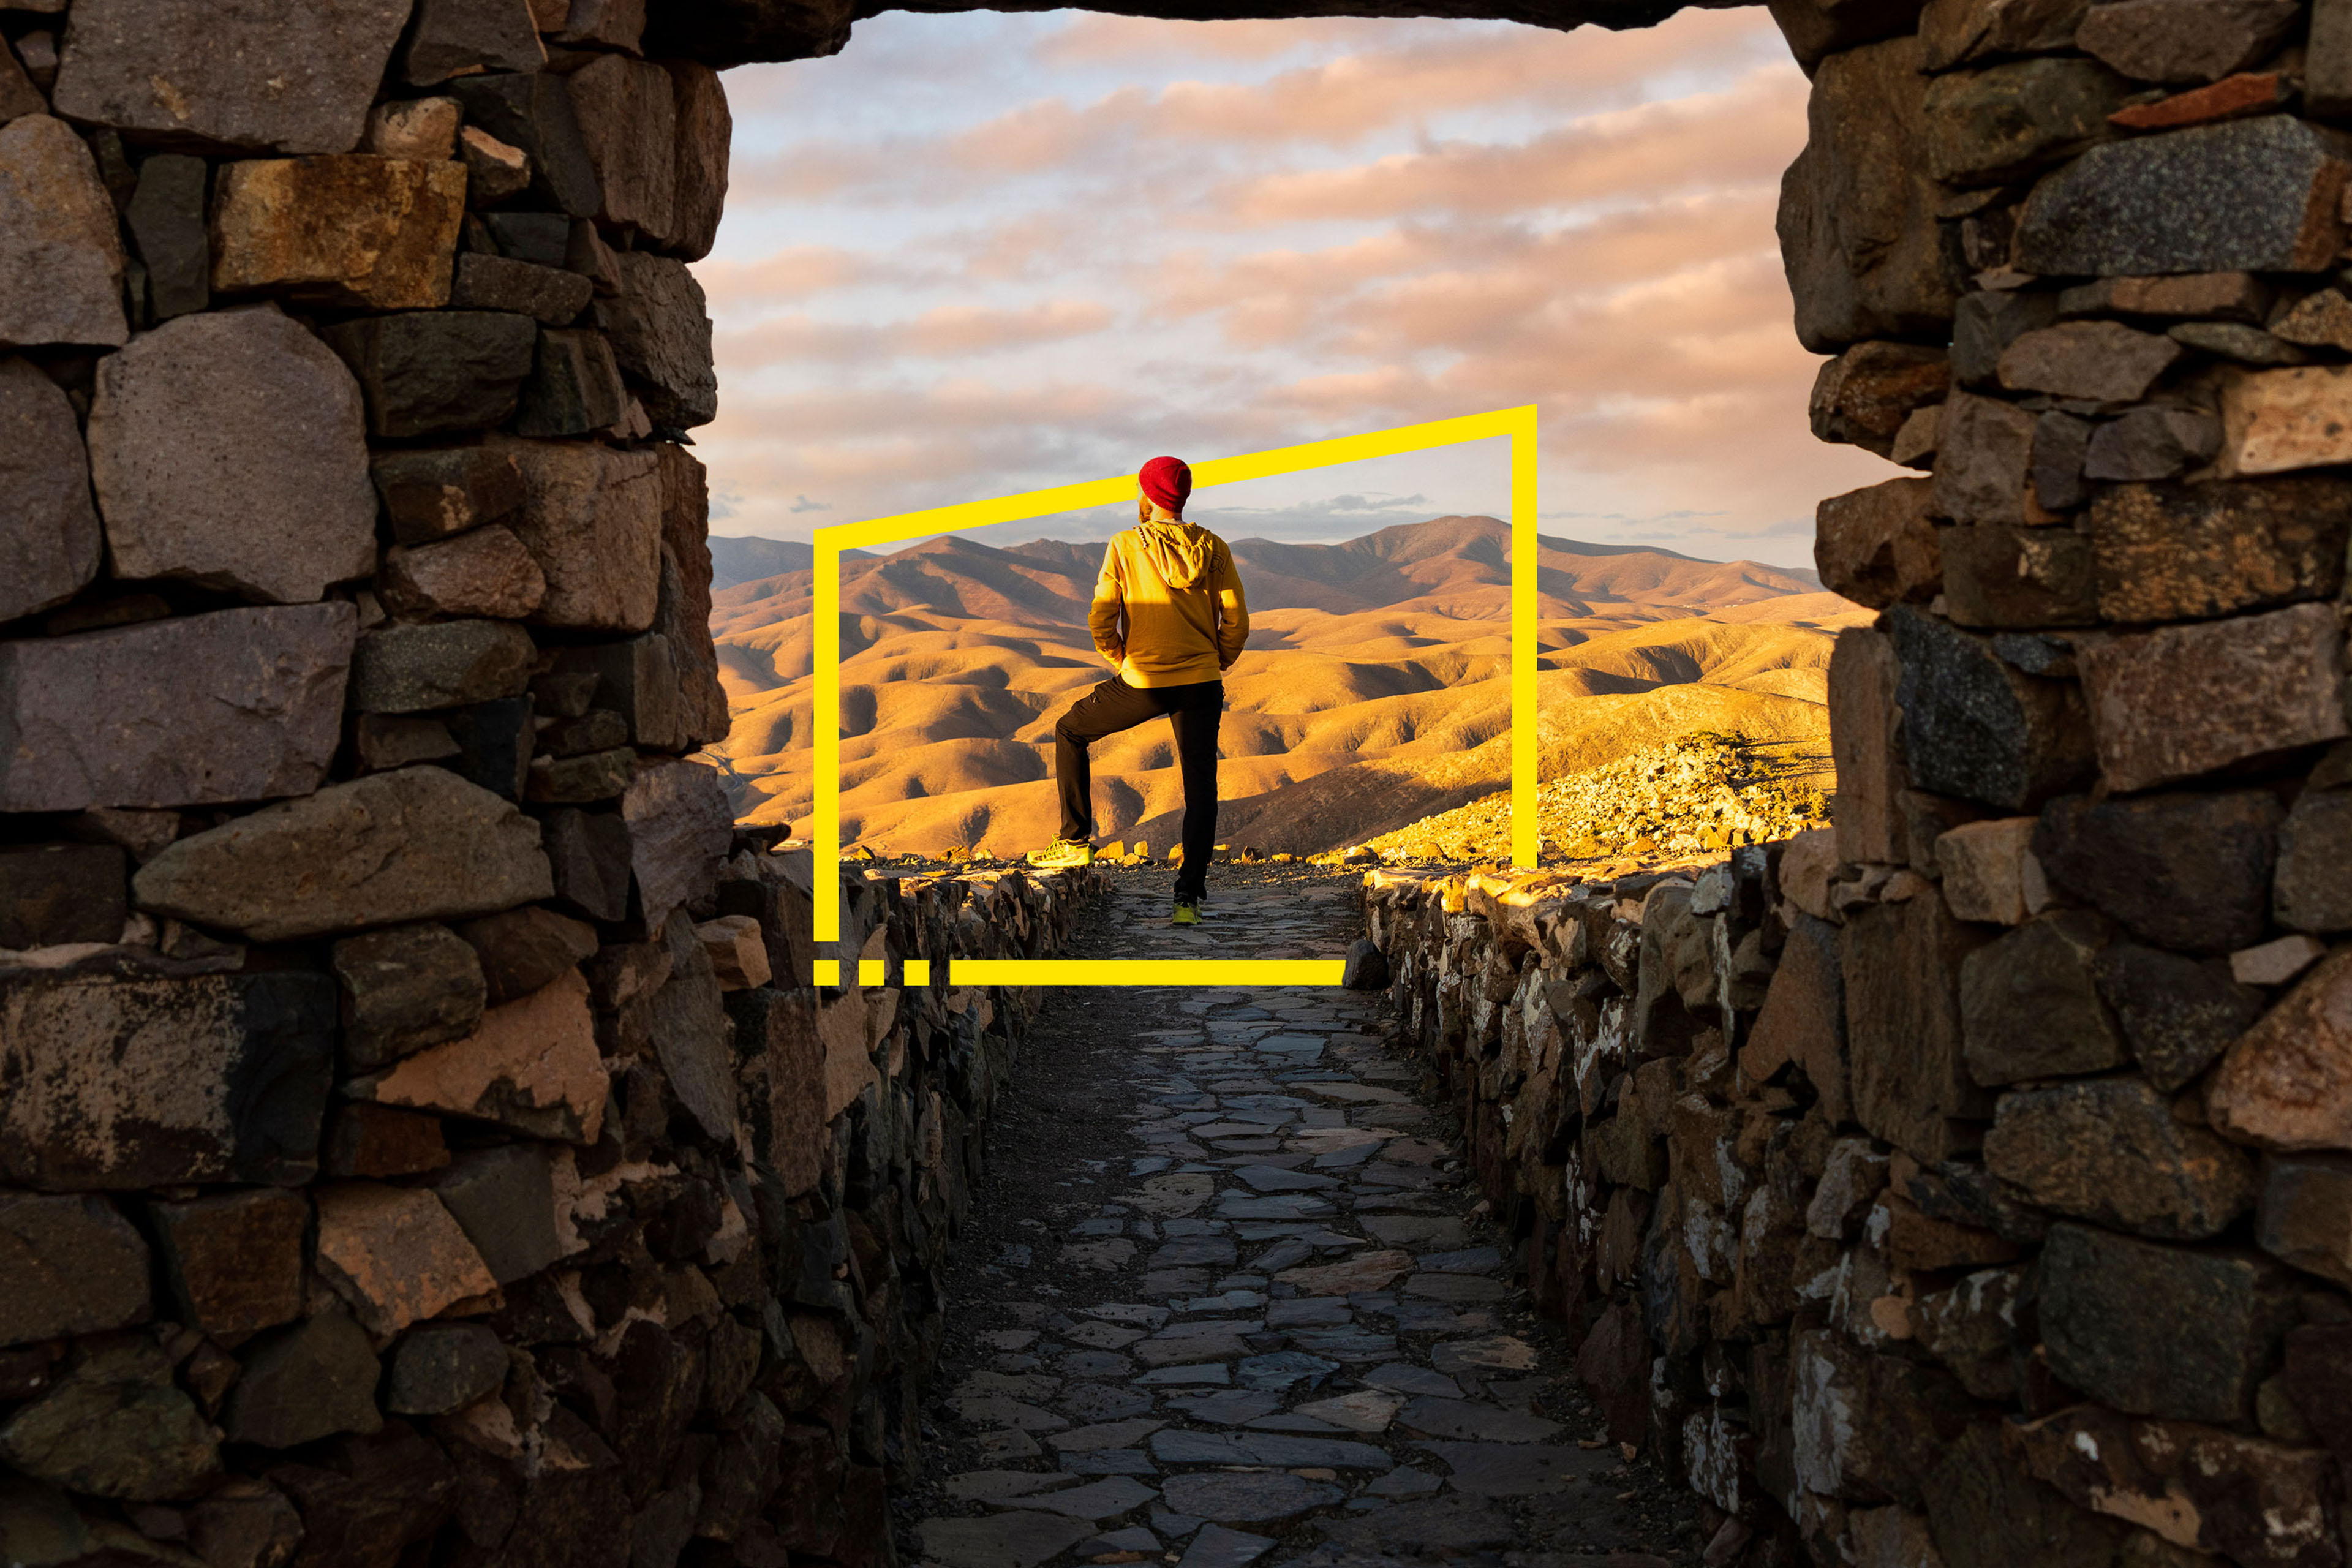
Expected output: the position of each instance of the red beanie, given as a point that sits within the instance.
(1167, 482)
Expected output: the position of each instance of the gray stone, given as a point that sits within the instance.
(1215, 1546)
(1877, 546)
(494, 744)
(115, 1427)
(2312, 889)
(60, 252)
(1972, 1328)
(1247, 1496)
(689, 1032)
(1986, 323)
(2305, 1217)
(228, 448)
(2153, 443)
(2061, 446)
(417, 844)
(680, 826)
(638, 679)
(2235, 341)
(440, 1367)
(628, 114)
(94, 1072)
(2029, 1003)
(1984, 460)
(234, 1260)
(2152, 1330)
(1997, 575)
(522, 949)
(1284, 1370)
(2185, 40)
(484, 573)
(231, 705)
(1474, 1420)
(2220, 296)
(166, 219)
(532, 111)
(1022, 1538)
(1954, 31)
(2171, 553)
(2111, 1150)
(57, 893)
(69, 1265)
(19, 95)
(436, 373)
(1905, 1042)
(1976, 726)
(302, 1383)
(1108, 1499)
(589, 854)
(458, 37)
(504, 1200)
(382, 741)
(1857, 227)
(2103, 361)
(705, 133)
(581, 780)
(548, 295)
(2254, 195)
(592, 518)
(2179, 701)
(1514, 1470)
(2189, 872)
(446, 663)
(1864, 395)
(1987, 126)
(1985, 1511)
(574, 387)
(660, 332)
(290, 77)
(405, 989)
(49, 529)
(2178, 1015)
(431, 494)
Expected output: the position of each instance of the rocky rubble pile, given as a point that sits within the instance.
(1695, 796)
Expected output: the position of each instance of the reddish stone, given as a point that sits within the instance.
(235, 1260)
(2248, 92)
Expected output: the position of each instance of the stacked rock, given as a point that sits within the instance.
(418, 1138)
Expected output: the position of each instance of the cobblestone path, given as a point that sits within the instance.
(1230, 1298)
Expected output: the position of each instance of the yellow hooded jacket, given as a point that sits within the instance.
(1168, 607)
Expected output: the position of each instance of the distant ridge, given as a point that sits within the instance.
(1373, 692)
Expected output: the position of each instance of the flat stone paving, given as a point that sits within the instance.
(1229, 1298)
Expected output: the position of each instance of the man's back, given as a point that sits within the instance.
(1168, 607)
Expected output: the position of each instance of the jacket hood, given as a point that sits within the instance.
(1180, 551)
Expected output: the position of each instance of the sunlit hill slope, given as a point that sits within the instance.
(1373, 692)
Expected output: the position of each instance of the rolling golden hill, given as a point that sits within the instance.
(1373, 692)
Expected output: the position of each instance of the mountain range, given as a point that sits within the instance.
(1373, 692)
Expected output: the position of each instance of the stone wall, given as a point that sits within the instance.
(419, 1140)
(1949, 1212)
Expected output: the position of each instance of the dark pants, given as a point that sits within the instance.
(1113, 706)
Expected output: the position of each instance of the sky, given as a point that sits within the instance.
(979, 254)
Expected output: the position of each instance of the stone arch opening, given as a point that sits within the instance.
(389, 1009)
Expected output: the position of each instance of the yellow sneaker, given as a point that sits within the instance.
(1188, 913)
(1063, 855)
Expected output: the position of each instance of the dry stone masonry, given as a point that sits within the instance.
(419, 1142)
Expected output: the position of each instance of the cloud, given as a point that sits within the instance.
(801, 503)
(945, 331)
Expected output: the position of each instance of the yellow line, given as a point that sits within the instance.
(1516, 424)
(1526, 841)
(1145, 970)
(827, 827)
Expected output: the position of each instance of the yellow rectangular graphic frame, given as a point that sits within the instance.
(1517, 423)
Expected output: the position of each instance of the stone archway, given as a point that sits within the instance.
(355, 620)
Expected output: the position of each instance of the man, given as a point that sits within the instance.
(1168, 615)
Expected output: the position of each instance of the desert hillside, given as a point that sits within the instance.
(1373, 694)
